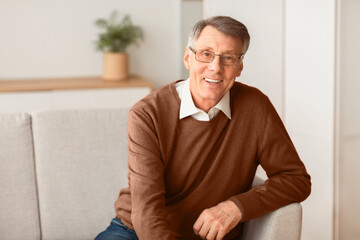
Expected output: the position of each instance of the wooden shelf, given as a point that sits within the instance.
(70, 84)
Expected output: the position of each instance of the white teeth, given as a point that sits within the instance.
(212, 80)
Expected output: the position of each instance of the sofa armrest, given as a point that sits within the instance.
(283, 223)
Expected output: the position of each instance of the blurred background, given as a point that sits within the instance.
(303, 55)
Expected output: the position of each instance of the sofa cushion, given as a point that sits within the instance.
(81, 163)
(19, 218)
(284, 223)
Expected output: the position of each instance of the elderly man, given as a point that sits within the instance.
(194, 147)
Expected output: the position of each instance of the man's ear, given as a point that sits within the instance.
(187, 58)
(240, 69)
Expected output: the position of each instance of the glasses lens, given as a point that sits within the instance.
(208, 56)
(205, 56)
(228, 59)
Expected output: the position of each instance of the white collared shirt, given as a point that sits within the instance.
(188, 108)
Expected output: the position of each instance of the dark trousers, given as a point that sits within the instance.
(117, 231)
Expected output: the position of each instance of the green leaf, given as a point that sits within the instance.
(118, 34)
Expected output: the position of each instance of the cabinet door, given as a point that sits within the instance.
(25, 101)
(99, 98)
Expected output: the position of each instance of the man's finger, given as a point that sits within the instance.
(197, 226)
(212, 234)
(221, 234)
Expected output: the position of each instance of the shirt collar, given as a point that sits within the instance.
(188, 108)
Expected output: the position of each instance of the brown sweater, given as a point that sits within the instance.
(178, 168)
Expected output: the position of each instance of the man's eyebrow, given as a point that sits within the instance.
(211, 49)
(226, 52)
(206, 48)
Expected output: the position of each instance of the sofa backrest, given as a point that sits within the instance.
(19, 219)
(81, 165)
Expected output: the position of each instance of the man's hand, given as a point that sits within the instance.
(216, 222)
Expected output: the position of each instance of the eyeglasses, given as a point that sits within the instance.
(207, 56)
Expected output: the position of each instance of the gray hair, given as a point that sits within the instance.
(224, 24)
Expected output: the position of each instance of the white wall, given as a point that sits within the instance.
(349, 164)
(191, 14)
(350, 71)
(48, 38)
(310, 104)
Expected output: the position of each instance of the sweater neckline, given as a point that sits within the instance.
(217, 118)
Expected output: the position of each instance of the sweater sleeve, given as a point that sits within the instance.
(146, 179)
(288, 180)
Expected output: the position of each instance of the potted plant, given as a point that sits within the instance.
(117, 34)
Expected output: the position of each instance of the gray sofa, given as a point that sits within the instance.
(61, 171)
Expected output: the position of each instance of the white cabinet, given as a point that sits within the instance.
(24, 101)
(120, 97)
(34, 95)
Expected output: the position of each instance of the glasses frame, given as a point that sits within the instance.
(220, 55)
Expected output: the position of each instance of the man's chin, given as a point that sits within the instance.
(211, 97)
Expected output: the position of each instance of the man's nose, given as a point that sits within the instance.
(215, 65)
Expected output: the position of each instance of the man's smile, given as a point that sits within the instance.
(215, 81)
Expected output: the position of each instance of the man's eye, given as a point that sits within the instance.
(228, 58)
(207, 54)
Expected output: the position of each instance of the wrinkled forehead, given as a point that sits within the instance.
(212, 38)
